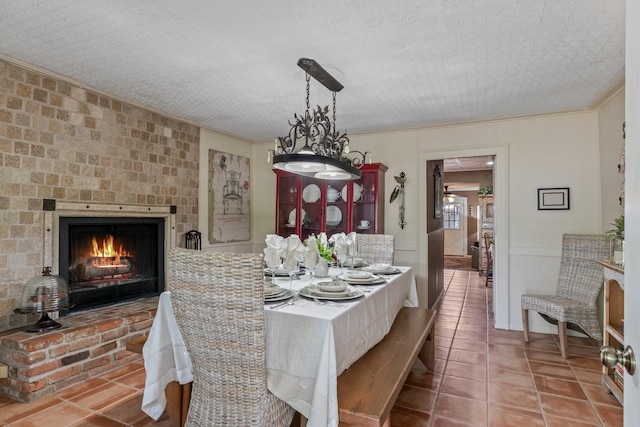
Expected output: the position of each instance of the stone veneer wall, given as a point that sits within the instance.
(65, 142)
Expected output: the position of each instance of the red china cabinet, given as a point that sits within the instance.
(307, 205)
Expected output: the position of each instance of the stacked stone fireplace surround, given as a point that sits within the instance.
(60, 140)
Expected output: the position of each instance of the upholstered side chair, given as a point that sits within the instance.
(580, 280)
(373, 248)
(218, 301)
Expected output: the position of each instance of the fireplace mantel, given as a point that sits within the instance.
(53, 210)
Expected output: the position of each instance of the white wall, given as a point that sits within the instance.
(561, 150)
(610, 119)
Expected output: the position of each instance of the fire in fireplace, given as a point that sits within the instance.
(111, 259)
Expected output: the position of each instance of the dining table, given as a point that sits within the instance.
(309, 341)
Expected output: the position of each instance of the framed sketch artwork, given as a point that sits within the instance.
(229, 198)
(553, 199)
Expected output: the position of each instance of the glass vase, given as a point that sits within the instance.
(322, 268)
(616, 251)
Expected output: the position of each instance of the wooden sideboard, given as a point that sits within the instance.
(613, 331)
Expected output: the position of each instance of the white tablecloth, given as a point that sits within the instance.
(308, 345)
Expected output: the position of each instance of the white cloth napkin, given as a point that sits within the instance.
(165, 358)
(294, 253)
(311, 253)
(275, 241)
(339, 241)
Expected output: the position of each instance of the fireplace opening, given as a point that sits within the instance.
(106, 260)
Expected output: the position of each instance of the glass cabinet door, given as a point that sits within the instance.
(306, 206)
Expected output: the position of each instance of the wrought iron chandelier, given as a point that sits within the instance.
(324, 153)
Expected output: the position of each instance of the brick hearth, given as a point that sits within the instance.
(88, 344)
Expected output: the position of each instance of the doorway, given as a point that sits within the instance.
(468, 181)
(500, 290)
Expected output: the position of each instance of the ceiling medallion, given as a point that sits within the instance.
(324, 153)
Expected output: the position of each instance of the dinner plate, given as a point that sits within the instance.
(357, 192)
(292, 217)
(331, 286)
(334, 216)
(349, 293)
(271, 291)
(373, 280)
(311, 193)
(359, 274)
(279, 272)
(357, 262)
(389, 270)
(287, 294)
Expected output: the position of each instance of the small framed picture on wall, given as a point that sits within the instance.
(553, 198)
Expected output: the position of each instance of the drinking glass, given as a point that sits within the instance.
(310, 261)
(352, 252)
(273, 264)
(291, 266)
(340, 251)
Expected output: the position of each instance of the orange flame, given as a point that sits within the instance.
(108, 250)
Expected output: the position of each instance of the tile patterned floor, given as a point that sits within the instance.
(486, 377)
(483, 378)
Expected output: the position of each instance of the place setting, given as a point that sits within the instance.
(273, 293)
(331, 290)
(381, 268)
(361, 277)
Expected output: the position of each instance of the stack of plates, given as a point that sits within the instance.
(357, 262)
(331, 290)
(275, 293)
(359, 277)
(279, 272)
(382, 269)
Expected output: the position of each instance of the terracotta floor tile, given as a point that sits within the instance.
(516, 397)
(551, 370)
(509, 378)
(439, 421)
(506, 350)
(462, 344)
(462, 409)
(424, 379)
(545, 357)
(466, 370)
(573, 409)
(559, 386)
(589, 363)
(499, 417)
(588, 376)
(610, 415)
(564, 422)
(416, 398)
(596, 393)
(510, 363)
(104, 396)
(466, 356)
(98, 421)
(14, 411)
(61, 414)
(400, 419)
(464, 387)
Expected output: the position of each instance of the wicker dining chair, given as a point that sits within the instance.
(218, 301)
(579, 283)
(373, 248)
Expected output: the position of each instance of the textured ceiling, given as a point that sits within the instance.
(231, 65)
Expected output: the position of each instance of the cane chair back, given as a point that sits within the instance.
(574, 304)
(218, 301)
(376, 248)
